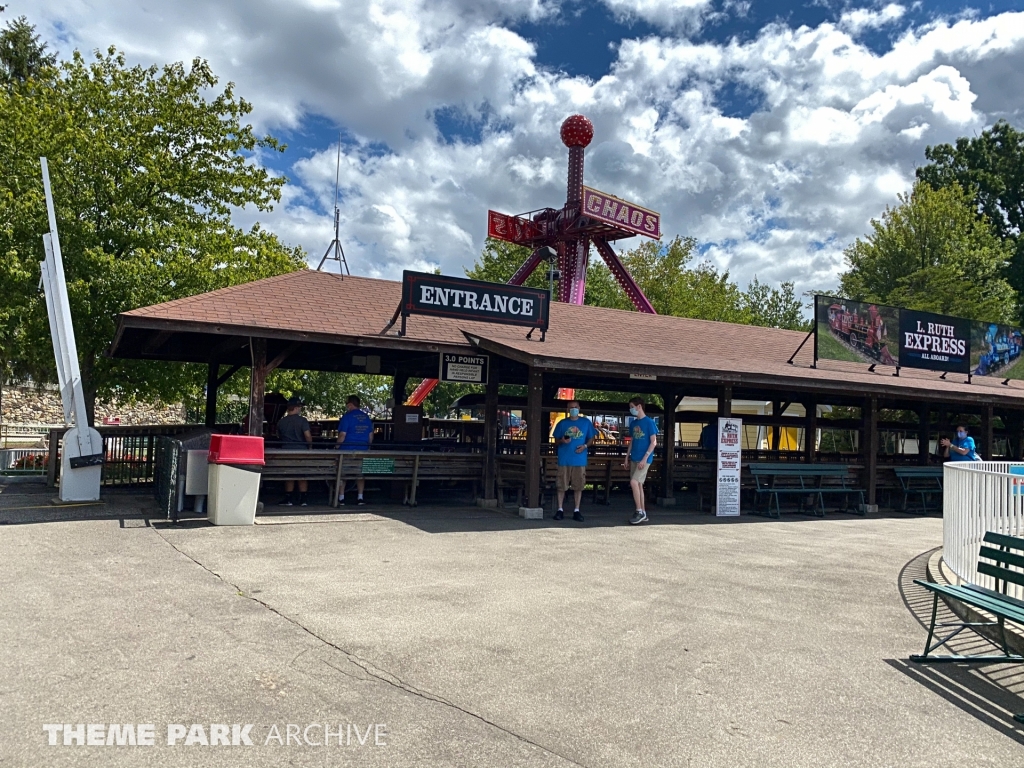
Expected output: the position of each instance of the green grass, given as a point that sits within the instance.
(830, 348)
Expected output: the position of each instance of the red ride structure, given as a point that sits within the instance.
(566, 233)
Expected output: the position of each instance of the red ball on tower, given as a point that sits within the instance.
(577, 131)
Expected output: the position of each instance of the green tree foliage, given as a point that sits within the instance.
(668, 277)
(146, 165)
(22, 54)
(932, 252)
(991, 168)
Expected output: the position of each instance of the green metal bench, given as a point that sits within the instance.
(773, 480)
(923, 482)
(998, 564)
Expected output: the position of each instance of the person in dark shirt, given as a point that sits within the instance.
(355, 433)
(294, 434)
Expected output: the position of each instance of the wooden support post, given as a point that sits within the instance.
(668, 448)
(725, 401)
(810, 430)
(491, 435)
(924, 416)
(257, 385)
(398, 386)
(535, 433)
(776, 429)
(987, 442)
(211, 394)
(869, 420)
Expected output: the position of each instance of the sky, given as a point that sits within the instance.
(772, 132)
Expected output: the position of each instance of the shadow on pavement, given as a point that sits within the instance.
(992, 693)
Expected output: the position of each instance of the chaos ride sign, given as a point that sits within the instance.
(456, 297)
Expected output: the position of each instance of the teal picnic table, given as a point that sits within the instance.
(803, 481)
(924, 483)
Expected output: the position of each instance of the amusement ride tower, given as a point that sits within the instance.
(566, 233)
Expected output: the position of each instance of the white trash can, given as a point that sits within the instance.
(235, 464)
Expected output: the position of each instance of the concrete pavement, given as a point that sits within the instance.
(477, 638)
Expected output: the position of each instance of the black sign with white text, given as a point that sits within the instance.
(443, 296)
(465, 369)
(935, 342)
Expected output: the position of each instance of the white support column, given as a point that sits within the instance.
(82, 447)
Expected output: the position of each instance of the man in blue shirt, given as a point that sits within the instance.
(643, 440)
(574, 435)
(355, 433)
(961, 448)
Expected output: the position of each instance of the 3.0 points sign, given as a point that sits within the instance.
(464, 369)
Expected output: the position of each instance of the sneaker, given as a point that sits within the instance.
(360, 503)
(639, 517)
(286, 503)
(303, 503)
(577, 516)
(558, 515)
(341, 502)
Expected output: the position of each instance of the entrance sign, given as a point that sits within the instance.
(621, 213)
(934, 342)
(466, 369)
(442, 296)
(727, 502)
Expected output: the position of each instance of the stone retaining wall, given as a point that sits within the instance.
(29, 405)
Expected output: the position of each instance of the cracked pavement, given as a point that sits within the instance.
(477, 639)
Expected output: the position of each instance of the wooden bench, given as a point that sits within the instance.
(923, 482)
(995, 561)
(802, 480)
(318, 466)
(337, 467)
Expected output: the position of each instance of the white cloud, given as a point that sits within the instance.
(821, 135)
(669, 14)
(859, 19)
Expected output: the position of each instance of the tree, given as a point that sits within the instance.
(932, 252)
(146, 165)
(22, 55)
(990, 167)
(665, 274)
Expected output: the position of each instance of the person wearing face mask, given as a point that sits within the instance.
(574, 435)
(960, 448)
(643, 440)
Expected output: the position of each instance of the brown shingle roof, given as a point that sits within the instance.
(323, 305)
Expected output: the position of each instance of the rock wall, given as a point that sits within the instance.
(29, 405)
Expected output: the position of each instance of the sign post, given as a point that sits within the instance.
(727, 503)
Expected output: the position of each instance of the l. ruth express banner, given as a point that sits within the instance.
(874, 333)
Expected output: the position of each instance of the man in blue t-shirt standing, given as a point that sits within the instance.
(355, 433)
(961, 448)
(642, 442)
(574, 435)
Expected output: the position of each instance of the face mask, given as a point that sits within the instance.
(633, 411)
(574, 412)
(961, 435)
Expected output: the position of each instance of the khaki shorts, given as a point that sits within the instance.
(570, 476)
(635, 473)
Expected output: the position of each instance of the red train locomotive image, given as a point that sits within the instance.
(862, 329)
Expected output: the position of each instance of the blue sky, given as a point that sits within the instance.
(771, 132)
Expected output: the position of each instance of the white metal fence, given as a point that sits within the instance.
(23, 459)
(980, 496)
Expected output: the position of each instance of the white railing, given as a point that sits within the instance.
(980, 496)
(10, 457)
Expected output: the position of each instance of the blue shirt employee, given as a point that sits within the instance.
(960, 448)
(355, 433)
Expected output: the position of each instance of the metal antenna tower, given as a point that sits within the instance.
(334, 251)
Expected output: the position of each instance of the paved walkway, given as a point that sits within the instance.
(478, 639)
